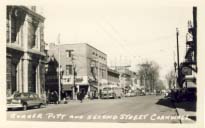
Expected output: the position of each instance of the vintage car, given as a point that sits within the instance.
(24, 101)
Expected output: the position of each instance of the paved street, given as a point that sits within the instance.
(141, 109)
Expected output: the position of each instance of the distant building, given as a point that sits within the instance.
(113, 77)
(125, 78)
(25, 50)
(136, 85)
(87, 63)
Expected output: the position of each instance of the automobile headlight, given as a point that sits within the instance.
(16, 101)
(19, 101)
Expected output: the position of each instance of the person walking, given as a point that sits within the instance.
(81, 95)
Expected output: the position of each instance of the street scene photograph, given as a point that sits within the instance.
(102, 62)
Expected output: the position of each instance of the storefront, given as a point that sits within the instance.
(81, 85)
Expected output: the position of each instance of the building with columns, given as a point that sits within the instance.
(83, 67)
(25, 50)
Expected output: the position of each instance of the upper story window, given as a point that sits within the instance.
(69, 53)
(13, 29)
(69, 70)
(32, 34)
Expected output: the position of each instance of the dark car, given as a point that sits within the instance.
(24, 100)
(53, 98)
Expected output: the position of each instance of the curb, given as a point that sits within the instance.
(176, 111)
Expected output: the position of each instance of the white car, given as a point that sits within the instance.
(24, 100)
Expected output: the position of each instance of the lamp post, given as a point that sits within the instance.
(177, 36)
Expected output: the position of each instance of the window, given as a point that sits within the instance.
(69, 70)
(69, 53)
(13, 29)
(32, 27)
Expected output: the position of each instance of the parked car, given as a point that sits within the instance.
(130, 94)
(142, 94)
(53, 98)
(24, 101)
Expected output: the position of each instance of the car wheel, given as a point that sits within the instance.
(115, 97)
(39, 106)
(25, 107)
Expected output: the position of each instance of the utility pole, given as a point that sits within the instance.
(59, 71)
(177, 35)
(195, 34)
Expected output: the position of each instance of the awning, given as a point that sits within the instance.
(67, 87)
(189, 84)
(93, 88)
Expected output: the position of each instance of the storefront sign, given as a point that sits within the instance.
(81, 80)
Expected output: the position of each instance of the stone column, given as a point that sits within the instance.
(38, 80)
(26, 55)
(25, 72)
(20, 76)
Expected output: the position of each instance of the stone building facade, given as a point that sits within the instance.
(25, 50)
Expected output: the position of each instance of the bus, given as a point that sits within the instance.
(112, 91)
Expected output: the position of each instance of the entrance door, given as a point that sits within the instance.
(13, 77)
(32, 78)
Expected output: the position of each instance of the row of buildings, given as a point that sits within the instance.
(83, 67)
(31, 67)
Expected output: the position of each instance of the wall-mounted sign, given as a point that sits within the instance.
(81, 80)
(187, 71)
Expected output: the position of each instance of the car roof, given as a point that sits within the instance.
(26, 93)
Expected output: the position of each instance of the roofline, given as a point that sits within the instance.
(82, 44)
(29, 11)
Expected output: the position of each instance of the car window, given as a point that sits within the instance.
(106, 89)
(24, 95)
(18, 95)
(35, 96)
(31, 96)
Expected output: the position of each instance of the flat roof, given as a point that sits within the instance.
(82, 44)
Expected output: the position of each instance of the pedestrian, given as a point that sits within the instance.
(81, 95)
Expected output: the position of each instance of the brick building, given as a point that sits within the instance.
(25, 50)
(87, 63)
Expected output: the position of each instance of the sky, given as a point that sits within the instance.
(128, 33)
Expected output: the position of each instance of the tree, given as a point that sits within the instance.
(149, 75)
(160, 85)
(170, 78)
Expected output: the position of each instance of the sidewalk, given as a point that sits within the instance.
(186, 108)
